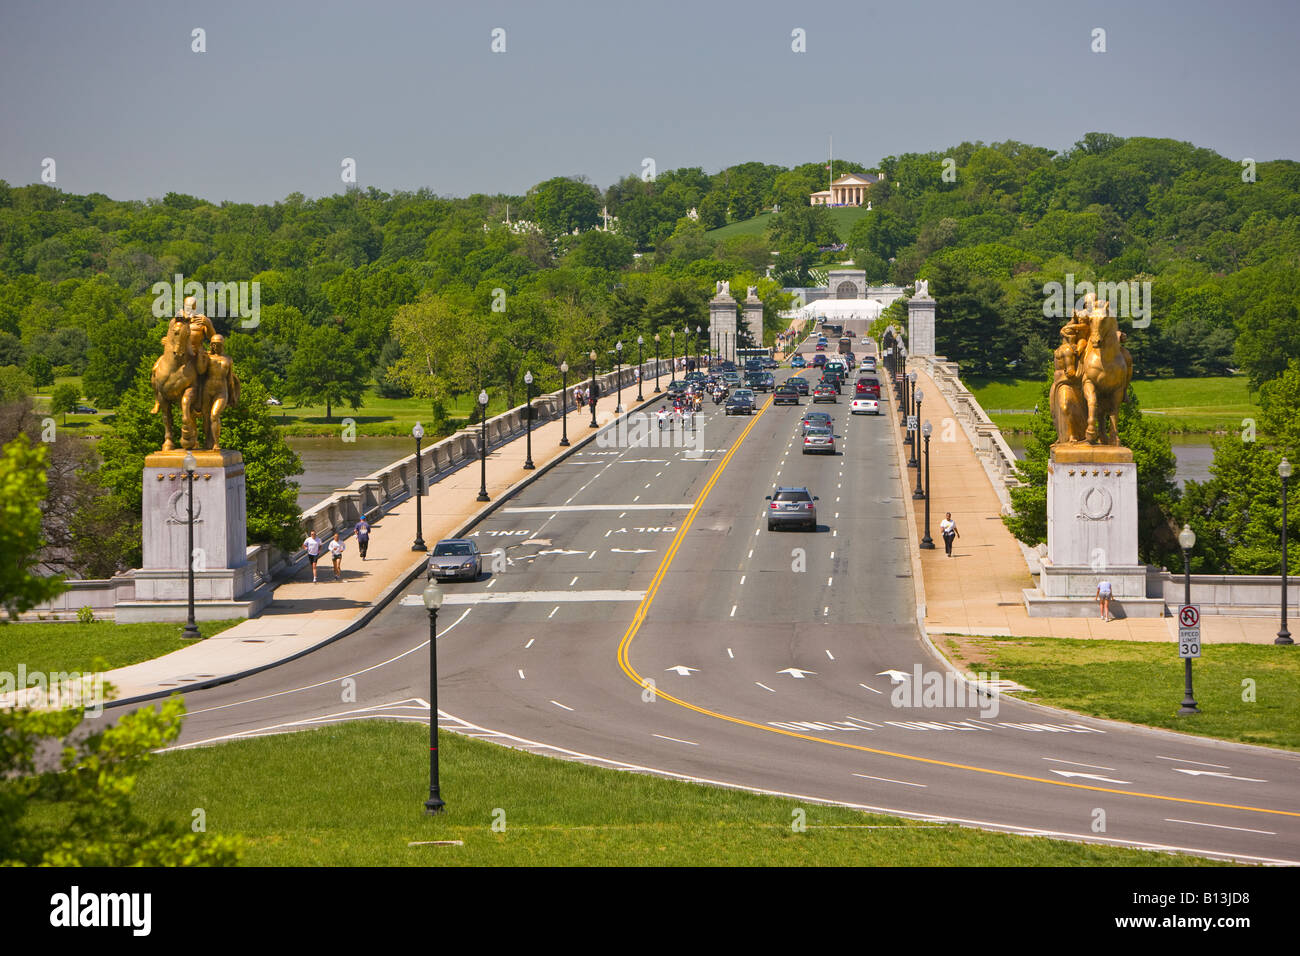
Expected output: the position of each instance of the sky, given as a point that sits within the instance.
(285, 91)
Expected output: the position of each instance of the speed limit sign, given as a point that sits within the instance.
(1189, 630)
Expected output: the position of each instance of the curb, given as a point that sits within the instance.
(399, 584)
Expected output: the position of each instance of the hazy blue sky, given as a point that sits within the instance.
(412, 91)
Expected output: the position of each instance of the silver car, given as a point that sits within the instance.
(792, 506)
(817, 439)
(454, 558)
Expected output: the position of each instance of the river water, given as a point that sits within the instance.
(329, 463)
(1193, 453)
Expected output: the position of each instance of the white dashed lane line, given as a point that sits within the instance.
(676, 740)
(521, 674)
(574, 581)
(764, 686)
(558, 704)
(906, 783)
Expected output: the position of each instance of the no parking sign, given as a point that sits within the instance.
(1189, 630)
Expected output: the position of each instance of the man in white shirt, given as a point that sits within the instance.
(313, 546)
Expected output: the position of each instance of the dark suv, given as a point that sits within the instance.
(760, 381)
(792, 506)
(868, 386)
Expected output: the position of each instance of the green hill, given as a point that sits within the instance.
(844, 219)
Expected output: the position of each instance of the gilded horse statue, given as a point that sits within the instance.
(1107, 369)
(174, 380)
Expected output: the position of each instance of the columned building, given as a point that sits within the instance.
(849, 190)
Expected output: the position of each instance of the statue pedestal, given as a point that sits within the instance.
(1091, 536)
(920, 325)
(224, 582)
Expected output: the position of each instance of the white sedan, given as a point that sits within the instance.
(865, 406)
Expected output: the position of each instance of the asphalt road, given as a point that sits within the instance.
(770, 655)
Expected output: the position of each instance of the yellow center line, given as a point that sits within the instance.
(644, 607)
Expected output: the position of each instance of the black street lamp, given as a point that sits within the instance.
(1284, 471)
(640, 367)
(528, 421)
(433, 601)
(912, 461)
(564, 388)
(618, 377)
(482, 448)
(697, 348)
(926, 542)
(672, 342)
(418, 545)
(657, 388)
(902, 392)
(592, 400)
(191, 632)
(919, 493)
(1187, 541)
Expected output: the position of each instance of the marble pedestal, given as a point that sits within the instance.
(225, 584)
(920, 325)
(1091, 536)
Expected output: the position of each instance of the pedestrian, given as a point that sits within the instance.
(313, 546)
(1103, 599)
(362, 531)
(336, 552)
(948, 528)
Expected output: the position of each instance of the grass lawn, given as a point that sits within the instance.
(74, 646)
(1142, 683)
(1184, 404)
(366, 784)
(844, 220)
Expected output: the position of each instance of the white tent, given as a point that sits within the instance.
(837, 309)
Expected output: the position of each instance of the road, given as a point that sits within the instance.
(779, 660)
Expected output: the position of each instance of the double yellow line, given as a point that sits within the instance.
(644, 608)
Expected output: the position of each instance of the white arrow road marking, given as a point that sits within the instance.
(867, 776)
(1219, 826)
(676, 740)
(632, 550)
(1197, 762)
(558, 551)
(1090, 776)
(682, 669)
(895, 677)
(796, 672)
(1215, 773)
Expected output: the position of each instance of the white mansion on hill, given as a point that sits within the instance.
(849, 190)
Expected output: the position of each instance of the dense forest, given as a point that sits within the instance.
(418, 294)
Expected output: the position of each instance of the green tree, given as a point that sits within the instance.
(81, 814)
(15, 384)
(564, 204)
(66, 397)
(22, 490)
(41, 371)
(327, 367)
(117, 348)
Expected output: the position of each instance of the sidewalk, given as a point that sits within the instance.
(304, 615)
(978, 590)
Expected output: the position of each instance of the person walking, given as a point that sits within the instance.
(948, 528)
(313, 545)
(362, 531)
(336, 552)
(1103, 599)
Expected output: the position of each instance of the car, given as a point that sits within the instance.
(676, 387)
(792, 506)
(693, 377)
(825, 393)
(833, 380)
(798, 362)
(868, 386)
(274, 401)
(84, 410)
(731, 379)
(865, 342)
(819, 361)
(869, 363)
(821, 346)
(770, 363)
(785, 394)
(819, 440)
(454, 558)
(741, 402)
(799, 383)
(814, 419)
(864, 405)
(760, 381)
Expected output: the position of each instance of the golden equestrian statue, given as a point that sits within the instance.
(1091, 375)
(203, 384)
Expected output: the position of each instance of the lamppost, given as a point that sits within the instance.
(911, 412)
(926, 542)
(657, 388)
(191, 632)
(1187, 541)
(482, 447)
(640, 367)
(697, 348)
(528, 421)
(618, 377)
(672, 364)
(433, 601)
(902, 391)
(593, 389)
(564, 427)
(1284, 471)
(919, 493)
(418, 544)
